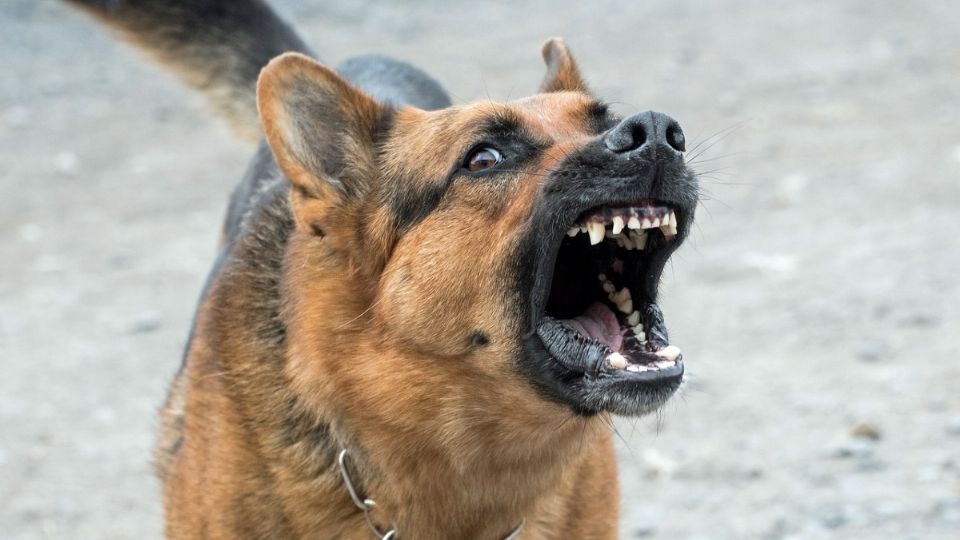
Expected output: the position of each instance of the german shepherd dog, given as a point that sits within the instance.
(423, 316)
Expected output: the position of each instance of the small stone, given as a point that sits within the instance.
(873, 350)
(922, 320)
(146, 323)
(865, 430)
(851, 449)
(833, 519)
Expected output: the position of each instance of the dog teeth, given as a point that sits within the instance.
(627, 225)
(618, 224)
(596, 230)
(669, 228)
(617, 360)
(670, 353)
(639, 367)
(634, 318)
(622, 300)
(638, 331)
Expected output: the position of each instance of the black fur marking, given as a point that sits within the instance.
(410, 207)
(479, 339)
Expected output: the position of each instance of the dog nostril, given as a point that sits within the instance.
(639, 136)
(675, 138)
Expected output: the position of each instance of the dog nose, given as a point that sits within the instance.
(649, 129)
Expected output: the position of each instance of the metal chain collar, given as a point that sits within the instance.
(366, 505)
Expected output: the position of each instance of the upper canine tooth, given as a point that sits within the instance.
(617, 224)
(634, 318)
(665, 220)
(596, 230)
(633, 222)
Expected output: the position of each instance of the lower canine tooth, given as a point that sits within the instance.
(617, 360)
(670, 352)
(626, 306)
(597, 231)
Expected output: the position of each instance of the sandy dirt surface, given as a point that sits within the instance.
(818, 304)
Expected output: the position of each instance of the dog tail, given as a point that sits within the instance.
(214, 46)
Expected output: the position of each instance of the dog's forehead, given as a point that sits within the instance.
(559, 115)
(553, 116)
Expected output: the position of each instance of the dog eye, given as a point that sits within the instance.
(483, 158)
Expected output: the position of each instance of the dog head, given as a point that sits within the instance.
(493, 254)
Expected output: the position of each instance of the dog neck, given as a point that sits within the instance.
(420, 497)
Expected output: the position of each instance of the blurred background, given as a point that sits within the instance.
(817, 304)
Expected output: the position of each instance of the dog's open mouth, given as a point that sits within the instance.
(600, 317)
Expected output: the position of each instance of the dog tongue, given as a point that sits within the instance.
(600, 323)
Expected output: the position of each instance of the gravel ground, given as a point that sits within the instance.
(817, 304)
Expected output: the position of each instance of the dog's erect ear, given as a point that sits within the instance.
(562, 71)
(322, 131)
